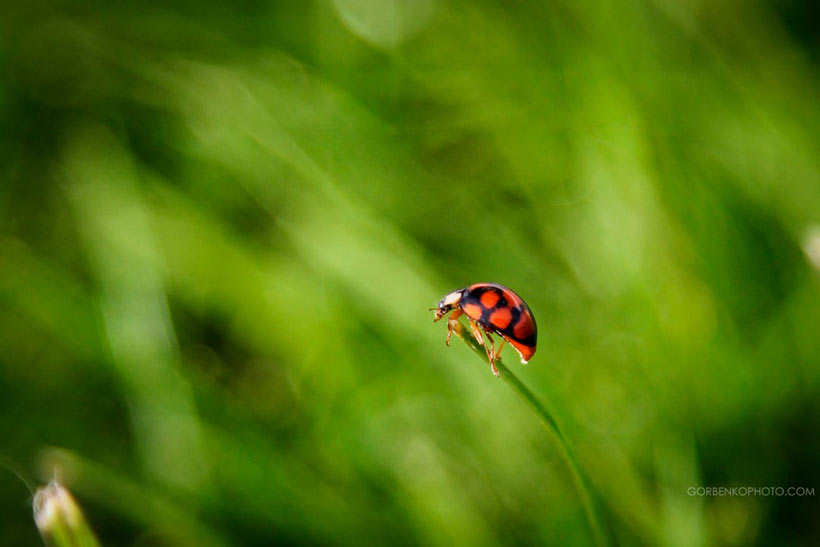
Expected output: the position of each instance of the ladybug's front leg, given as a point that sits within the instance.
(452, 320)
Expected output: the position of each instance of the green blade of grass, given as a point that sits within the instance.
(546, 417)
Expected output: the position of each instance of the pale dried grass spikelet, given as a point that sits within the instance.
(59, 519)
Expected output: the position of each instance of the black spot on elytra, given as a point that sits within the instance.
(474, 297)
(516, 317)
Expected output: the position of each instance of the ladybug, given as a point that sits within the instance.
(491, 308)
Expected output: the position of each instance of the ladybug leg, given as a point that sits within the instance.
(451, 324)
(492, 354)
(478, 336)
(477, 333)
(501, 345)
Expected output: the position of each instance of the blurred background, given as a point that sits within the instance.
(222, 226)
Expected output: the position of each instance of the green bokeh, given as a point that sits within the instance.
(222, 226)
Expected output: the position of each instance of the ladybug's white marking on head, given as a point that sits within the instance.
(452, 299)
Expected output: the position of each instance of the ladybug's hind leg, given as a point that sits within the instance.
(501, 345)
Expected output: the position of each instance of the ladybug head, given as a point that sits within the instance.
(449, 302)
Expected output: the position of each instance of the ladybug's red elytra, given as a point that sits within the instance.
(491, 308)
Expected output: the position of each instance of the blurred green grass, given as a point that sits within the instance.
(221, 229)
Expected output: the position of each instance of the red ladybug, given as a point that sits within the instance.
(495, 309)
